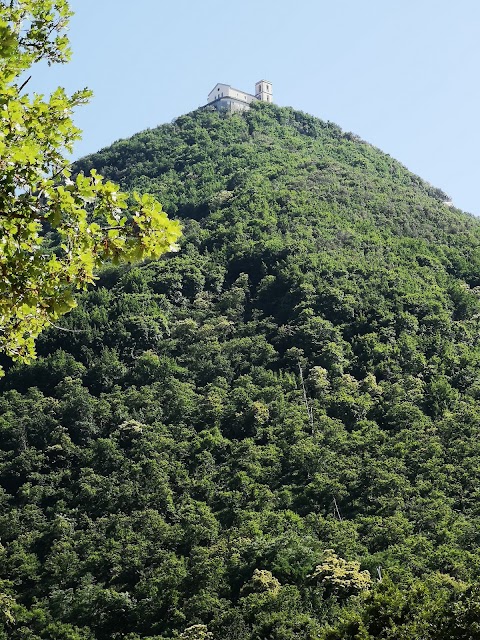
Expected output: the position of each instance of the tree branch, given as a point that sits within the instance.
(68, 330)
(25, 83)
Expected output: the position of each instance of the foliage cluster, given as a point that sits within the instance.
(87, 216)
(302, 377)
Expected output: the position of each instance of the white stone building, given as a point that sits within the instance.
(263, 91)
(225, 97)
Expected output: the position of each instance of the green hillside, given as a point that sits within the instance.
(225, 441)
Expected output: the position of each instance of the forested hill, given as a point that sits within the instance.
(272, 434)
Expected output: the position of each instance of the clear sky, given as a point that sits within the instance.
(402, 74)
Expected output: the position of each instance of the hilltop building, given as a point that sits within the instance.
(225, 98)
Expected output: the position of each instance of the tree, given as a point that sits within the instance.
(340, 576)
(55, 230)
(197, 632)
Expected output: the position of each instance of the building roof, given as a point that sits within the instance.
(246, 93)
(217, 83)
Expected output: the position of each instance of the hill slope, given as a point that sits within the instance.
(302, 376)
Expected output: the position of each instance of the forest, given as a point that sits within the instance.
(273, 434)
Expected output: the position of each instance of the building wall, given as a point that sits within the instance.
(225, 91)
(226, 97)
(220, 90)
(263, 91)
(231, 104)
(240, 95)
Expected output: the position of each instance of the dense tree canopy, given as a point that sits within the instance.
(273, 433)
(55, 231)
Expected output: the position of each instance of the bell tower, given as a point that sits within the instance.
(263, 91)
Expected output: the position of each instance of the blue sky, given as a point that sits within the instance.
(402, 74)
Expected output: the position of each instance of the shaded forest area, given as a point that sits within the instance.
(273, 434)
